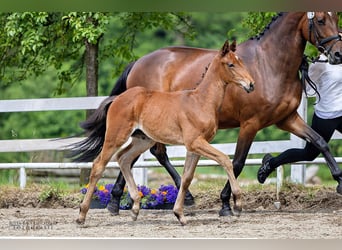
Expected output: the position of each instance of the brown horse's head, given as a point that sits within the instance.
(321, 29)
(233, 70)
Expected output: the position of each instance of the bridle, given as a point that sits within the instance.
(321, 42)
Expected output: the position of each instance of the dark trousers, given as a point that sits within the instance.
(324, 127)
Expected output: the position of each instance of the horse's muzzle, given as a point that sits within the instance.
(335, 58)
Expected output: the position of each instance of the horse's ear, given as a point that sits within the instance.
(225, 48)
(233, 46)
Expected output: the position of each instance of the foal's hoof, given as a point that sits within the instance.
(189, 199)
(80, 222)
(113, 208)
(134, 215)
(226, 212)
(181, 219)
(237, 211)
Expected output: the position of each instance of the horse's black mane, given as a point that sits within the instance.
(267, 27)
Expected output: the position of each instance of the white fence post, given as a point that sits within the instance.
(298, 170)
(22, 178)
(140, 174)
(280, 178)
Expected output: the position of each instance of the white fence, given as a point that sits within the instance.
(146, 160)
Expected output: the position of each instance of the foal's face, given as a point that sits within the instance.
(234, 71)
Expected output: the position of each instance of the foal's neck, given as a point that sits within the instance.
(212, 87)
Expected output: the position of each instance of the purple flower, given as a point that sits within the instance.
(144, 190)
(83, 190)
(149, 198)
(170, 193)
(109, 187)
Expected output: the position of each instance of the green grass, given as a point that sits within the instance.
(9, 177)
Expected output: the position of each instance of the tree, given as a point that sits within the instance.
(32, 42)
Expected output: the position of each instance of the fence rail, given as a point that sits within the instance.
(146, 160)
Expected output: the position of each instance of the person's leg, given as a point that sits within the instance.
(323, 127)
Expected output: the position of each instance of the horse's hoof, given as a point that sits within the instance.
(189, 200)
(339, 188)
(226, 212)
(113, 208)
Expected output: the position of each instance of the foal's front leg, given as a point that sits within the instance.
(202, 147)
(188, 174)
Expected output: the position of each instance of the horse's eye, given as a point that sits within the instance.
(230, 65)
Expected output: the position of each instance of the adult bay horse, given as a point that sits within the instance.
(188, 117)
(273, 59)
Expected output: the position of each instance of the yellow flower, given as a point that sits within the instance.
(87, 186)
(141, 194)
(101, 188)
(153, 191)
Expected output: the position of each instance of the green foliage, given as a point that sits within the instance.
(86, 26)
(53, 192)
(256, 21)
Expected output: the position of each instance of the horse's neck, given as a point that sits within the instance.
(283, 43)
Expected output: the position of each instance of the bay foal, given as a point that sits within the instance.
(187, 117)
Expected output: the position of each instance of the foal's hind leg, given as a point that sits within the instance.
(140, 143)
(97, 170)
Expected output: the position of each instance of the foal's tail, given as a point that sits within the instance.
(95, 126)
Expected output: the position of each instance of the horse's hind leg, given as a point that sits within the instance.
(140, 143)
(188, 174)
(159, 151)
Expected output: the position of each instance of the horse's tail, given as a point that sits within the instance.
(120, 85)
(95, 126)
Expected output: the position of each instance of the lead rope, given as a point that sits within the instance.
(304, 69)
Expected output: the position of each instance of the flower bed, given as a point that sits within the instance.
(162, 198)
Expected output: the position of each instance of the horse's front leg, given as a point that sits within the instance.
(159, 151)
(188, 174)
(244, 142)
(297, 126)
